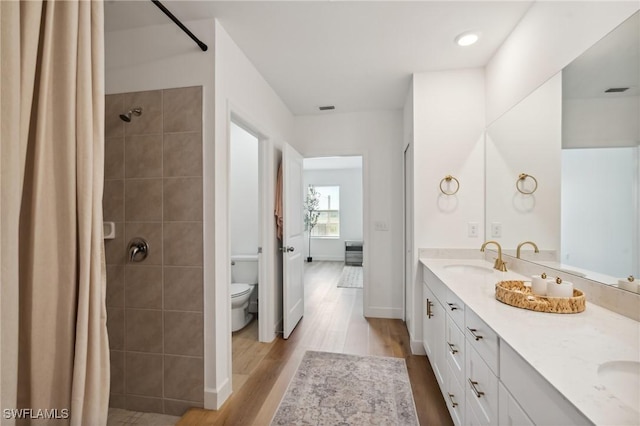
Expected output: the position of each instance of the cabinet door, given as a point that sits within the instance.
(509, 412)
(433, 324)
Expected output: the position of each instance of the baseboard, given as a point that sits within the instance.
(381, 312)
(417, 348)
(213, 399)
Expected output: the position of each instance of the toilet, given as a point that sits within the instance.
(244, 290)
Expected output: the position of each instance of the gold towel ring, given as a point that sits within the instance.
(521, 178)
(449, 178)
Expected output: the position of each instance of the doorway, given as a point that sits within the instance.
(337, 233)
(244, 229)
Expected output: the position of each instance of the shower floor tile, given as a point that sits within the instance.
(120, 417)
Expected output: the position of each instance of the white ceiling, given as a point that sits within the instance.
(355, 55)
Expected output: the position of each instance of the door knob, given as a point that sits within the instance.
(290, 249)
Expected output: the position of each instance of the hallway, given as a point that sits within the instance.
(333, 322)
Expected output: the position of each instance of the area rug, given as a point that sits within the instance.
(340, 389)
(351, 277)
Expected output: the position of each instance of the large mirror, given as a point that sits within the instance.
(562, 166)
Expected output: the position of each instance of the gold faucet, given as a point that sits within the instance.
(535, 248)
(500, 265)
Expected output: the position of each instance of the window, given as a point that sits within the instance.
(329, 208)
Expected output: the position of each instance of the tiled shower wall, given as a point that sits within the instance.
(153, 190)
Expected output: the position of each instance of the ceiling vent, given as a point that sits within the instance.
(616, 90)
(326, 108)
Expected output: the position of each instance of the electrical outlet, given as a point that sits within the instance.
(472, 229)
(496, 230)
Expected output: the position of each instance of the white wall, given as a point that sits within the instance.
(598, 122)
(599, 210)
(241, 90)
(527, 139)
(448, 138)
(376, 135)
(350, 183)
(549, 36)
(243, 192)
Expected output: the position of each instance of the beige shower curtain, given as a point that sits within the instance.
(53, 342)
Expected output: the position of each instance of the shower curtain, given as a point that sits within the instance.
(53, 342)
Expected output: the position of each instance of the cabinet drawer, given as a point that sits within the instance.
(455, 349)
(437, 287)
(481, 388)
(454, 397)
(483, 339)
(455, 308)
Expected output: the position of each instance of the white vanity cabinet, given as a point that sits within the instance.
(483, 381)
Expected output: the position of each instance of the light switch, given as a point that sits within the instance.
(380, 226)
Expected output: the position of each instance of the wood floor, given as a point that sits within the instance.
(333, 322)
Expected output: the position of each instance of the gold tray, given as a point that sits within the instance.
(515, 293)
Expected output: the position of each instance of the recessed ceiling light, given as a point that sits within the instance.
(467, 39)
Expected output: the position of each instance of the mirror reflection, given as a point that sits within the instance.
(578, 135)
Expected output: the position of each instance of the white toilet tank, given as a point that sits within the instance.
(244, 269)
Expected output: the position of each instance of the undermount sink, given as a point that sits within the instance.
(622, 378)
(469, 269)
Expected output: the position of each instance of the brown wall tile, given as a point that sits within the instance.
(152, 233)
(144, 374)
(143, 286)
(183, 333)
(182, 199)
(150, 122)
(115, 328)
(117, 372)
(113, 107)
(117, 401)
(114, 158)
(183, 109)
(113, 201)
(144, 404)
(182, 243)
(183, 288)
(143, 200)
(115, 249)
(165, 141)
(144, 331)
(115, 286)
(182, 154)
(143, 156)
(184, 378)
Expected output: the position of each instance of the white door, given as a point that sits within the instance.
(293, 240)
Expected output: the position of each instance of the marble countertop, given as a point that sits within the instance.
(565, 349)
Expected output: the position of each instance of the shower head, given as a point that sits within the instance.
(137, 111)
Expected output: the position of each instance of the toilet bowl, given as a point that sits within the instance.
(244, 290)
(240, 315)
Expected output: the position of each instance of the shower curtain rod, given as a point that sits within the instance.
(166, 11)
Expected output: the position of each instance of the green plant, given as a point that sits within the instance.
(311, 213)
